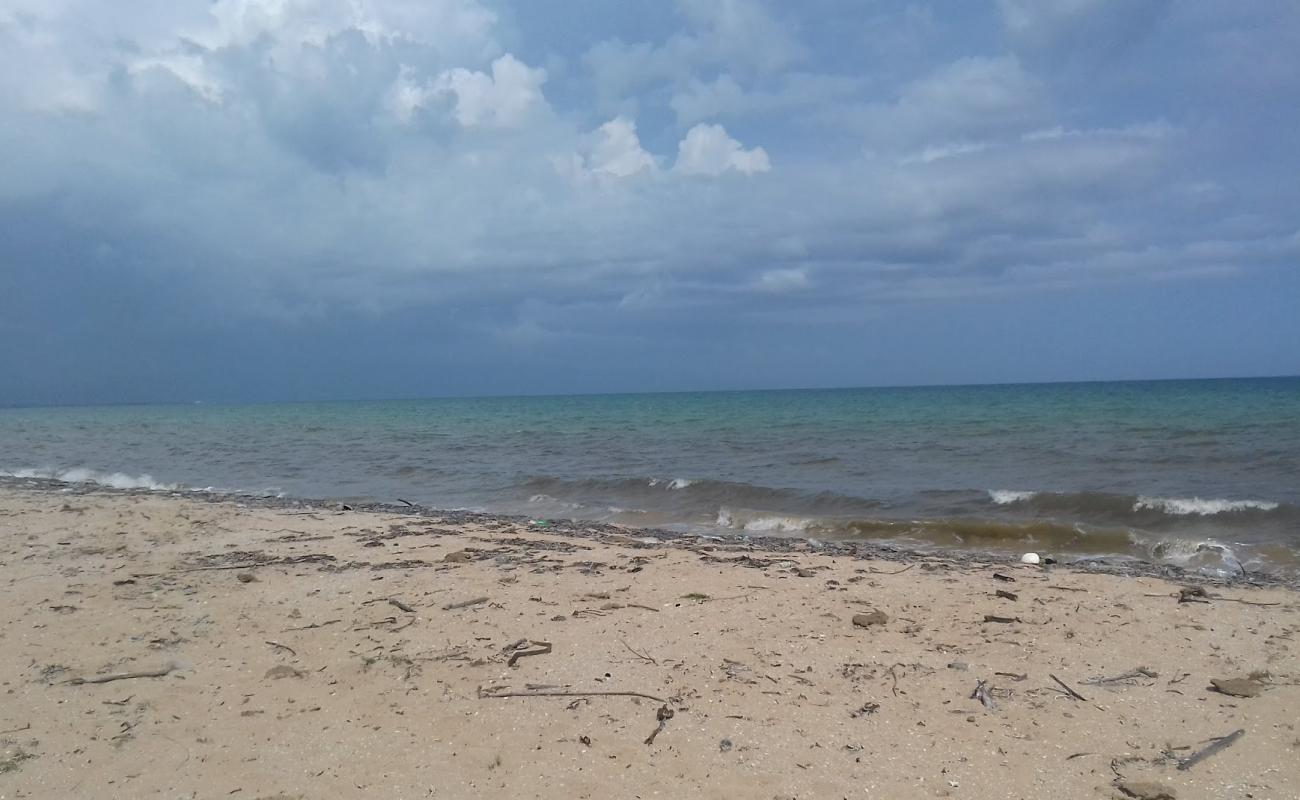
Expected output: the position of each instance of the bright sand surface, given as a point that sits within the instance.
(297, 674)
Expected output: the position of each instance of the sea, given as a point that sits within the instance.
(1204, 474)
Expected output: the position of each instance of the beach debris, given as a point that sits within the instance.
(724, 746)
(698, 597)
(662, 715)
(981, 694)
(960, 666)
(1144, 790)
(1250, 686)
(1005, 595)
(283, 671)
(408, 503)
(521, 650)
(585, 740)
(1030, 558)
(246, 577)
(394, 602)
(1216, 745)
(876, 617)
(1193, 594)
(489, 694)
(998, 576)
(643, 656)
(804, 572)
(1127, 677)
(126, 676)
(1072, 693)
(279, 646)
(1023, 676)
(866, 710)
(458, 557)
(1002, 620)
(465, 603)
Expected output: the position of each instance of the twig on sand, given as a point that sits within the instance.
(1068, 690)
(393, 601)
(465, 603)
(486, 695)
(874, 571)
(283, 647)
(26, 727)
(125, 676)
(314, 625)
(642, 656)
(662, 715)
(1004, 620)
(540, 649)
(1217, 744)
(1139, 672)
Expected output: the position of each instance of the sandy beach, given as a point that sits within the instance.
(321, 652)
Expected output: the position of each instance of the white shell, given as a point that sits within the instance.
(1030, 558)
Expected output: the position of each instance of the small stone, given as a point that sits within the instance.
(1238, 687)
(804, 572)
(458, 557)
(876, 617)
(246, 577)
(960, 666)
(1145, 790)
(724, 746)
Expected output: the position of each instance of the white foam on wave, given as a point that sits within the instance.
(112, 480)
(679, 483)
(1005, 497)
(1188, 506)
(777, 525)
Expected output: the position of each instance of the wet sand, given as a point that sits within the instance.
(313, 652)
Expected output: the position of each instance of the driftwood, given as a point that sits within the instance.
(282, 647)
(1139, 672)
(393, 601)
(465, 603)
(487, 695)
(1072, 693)
(125, 676)
(541, 649)
(1220, 743)
(1004, 620)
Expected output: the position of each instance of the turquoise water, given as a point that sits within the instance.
(1199, 472)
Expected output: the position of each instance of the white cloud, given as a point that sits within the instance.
(708, 150)
(617, 150)
(504, 99)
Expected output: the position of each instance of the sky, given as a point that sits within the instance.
(261, 200)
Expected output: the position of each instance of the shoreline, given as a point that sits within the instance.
(190, 647)
(1122, 566)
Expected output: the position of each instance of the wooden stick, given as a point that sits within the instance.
(393, 601)
(465, 603)
(1139, 672)
(283, 647)
(542, 649)
(1068, 690)
(1221, 743)
(125, 676)
(487, 695)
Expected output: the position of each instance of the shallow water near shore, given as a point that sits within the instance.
(1201, 474)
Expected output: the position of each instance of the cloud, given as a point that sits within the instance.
(617, 150)
(708, 150)
(505, 98)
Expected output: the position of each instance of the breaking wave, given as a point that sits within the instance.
(112, 480)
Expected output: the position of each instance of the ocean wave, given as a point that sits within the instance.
(1129, 509)
(1005, 497)
(1189, 506)
(111, 480)
(697, 499)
